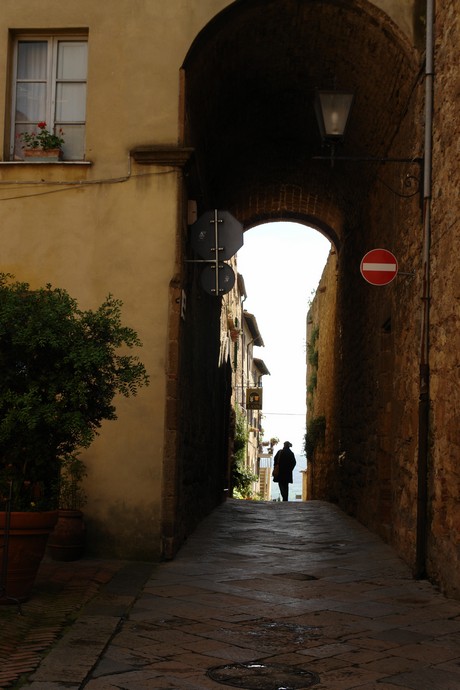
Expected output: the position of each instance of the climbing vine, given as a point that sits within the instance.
(316, 429)
(313, 358)
(242, 477)
(312, 350)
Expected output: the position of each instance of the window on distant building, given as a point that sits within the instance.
(49, 85)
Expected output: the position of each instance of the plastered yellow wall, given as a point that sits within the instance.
(116, 238)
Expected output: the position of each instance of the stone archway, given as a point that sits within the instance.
(250, 78)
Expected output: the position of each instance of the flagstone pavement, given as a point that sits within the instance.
(263, 596)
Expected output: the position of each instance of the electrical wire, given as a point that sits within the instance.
(285, 414)
(65, 186)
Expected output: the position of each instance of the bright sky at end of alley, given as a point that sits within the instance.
(281, 264)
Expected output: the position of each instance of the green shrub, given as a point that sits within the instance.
(60, 371)
(316, 429)
(242, 478)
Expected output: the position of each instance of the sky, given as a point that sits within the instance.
(281, 264)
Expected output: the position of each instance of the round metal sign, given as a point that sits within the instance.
(379, 267)
(220, 284)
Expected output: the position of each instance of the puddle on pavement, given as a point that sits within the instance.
(282, 633)
(263, 676)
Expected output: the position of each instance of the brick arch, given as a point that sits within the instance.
(250, 78)
(291, 203)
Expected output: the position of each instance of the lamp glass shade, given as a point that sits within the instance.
(332, 112)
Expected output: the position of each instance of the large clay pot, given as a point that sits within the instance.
(25, 544)
(67, 540)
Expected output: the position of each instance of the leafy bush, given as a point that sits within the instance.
(60, 373)
(242, 478)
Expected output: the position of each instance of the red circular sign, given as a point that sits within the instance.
(379, 267)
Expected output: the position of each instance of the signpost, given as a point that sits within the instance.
(216, 236)
(220, 283)
(379, 267)
(254, 398)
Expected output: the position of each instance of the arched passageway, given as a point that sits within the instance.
(250, 80)
(249, 84)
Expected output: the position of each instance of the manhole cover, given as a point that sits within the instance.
(259, 676)
(296, 576)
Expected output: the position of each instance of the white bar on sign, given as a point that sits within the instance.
(379, 267)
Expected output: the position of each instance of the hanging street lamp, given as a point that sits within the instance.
(332, 112)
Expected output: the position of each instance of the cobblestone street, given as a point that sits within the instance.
(262, 596)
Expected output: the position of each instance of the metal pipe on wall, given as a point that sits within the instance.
(424, 400)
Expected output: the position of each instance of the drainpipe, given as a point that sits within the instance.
(424, 400)
(247, 372)
(242, 356)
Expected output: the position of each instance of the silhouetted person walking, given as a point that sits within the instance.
(282, 471)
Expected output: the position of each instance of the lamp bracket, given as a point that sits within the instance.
(411, 182)
(368, 159)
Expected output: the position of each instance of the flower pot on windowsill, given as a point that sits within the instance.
(43, 155)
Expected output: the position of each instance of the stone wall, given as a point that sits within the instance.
(367, 379)
(444, 479)
(371, 384)
(322, 335)
(375, 456)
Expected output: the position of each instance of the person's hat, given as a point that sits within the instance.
(286, 443)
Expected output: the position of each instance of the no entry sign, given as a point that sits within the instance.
(379, 267)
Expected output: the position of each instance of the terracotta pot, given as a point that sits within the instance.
(28, 535)
(43, 155)
(67, 540)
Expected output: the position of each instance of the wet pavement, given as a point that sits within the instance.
(263, 596)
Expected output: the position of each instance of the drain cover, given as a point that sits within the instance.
(296, 576)
(259, 676)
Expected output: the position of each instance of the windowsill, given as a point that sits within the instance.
(32, 163)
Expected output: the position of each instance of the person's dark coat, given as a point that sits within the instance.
(285, 459)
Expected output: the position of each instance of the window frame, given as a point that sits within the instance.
(53, 39)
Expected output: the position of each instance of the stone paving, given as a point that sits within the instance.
(264, 596)
(60, 592)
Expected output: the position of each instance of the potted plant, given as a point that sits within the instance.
(61, 370)
(42, 144)
(68, 539)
